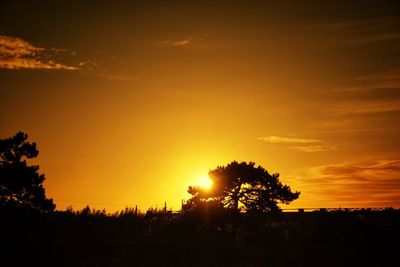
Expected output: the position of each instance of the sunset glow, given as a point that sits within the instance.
(205, 182)
(131, 102)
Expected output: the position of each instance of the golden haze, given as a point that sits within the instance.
(132, 104)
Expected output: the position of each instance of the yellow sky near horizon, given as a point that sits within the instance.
(130, 103)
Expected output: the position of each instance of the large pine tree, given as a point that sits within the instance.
(243, 186)
(21, 185)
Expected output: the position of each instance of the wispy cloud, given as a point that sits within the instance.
(381, 76)
(373, 38)
(310, 148)
(358, 32)
(181, 42)
(287, 139)
(372, 93)
(370, 183)
(367, 106)
(16, 53)
(296, 143)
(380, 80)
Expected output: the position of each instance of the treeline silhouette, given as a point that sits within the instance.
(90, 237)
(236, 223)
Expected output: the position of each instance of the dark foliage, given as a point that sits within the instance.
(242, 184)
(91, 238)
(208, 235)
(21, 185)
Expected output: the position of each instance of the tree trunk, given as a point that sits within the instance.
(236, 197)
(236, 203)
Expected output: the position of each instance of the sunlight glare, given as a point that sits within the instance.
(205, 182)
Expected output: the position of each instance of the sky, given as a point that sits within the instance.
(130, 102)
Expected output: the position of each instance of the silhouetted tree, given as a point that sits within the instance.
(236, 183)
(21, 184)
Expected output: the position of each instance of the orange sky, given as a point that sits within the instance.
(130, 103)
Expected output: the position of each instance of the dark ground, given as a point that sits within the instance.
(354, 238)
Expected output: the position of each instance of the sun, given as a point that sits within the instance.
(204, 182)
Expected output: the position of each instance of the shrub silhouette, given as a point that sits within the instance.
(21, 185)
(242, 186)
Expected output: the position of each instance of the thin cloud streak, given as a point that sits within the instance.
(182, 42)
(311, 149)
(367, 107)
(376, 182)
(286, 139)
(363, 40)
(375, 82)
(360, 32)
(369, 94)
(16, 53)
(177, 42)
